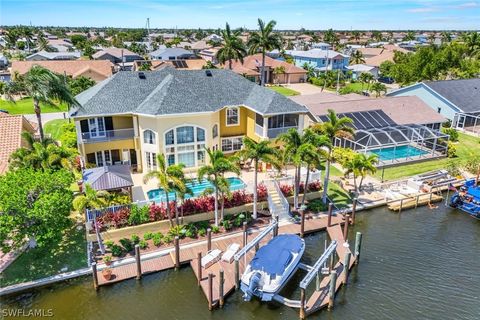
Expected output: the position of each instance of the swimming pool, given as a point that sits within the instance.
(158, 195)
(388, 154)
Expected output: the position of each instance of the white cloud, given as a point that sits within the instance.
(422, 10)
(467, 5)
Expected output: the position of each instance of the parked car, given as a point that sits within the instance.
(387, 80)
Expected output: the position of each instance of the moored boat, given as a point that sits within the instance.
(272, 267)
(467, 199)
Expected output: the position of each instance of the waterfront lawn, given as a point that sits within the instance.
(285, 91)
(467, 147)
(38, 263)
(54, 128)
(25, 106)
(337, 194)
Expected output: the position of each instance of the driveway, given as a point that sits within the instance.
(304, 88)
(46, 116)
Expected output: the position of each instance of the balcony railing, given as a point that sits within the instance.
(259, 130)
(109, 135)
(274, 132)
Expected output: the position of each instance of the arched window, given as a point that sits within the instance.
(185, 145)
(215, 131)
(149, 137)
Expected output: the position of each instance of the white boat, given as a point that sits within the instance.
(272, 267)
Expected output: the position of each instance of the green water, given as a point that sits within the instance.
(420, 264)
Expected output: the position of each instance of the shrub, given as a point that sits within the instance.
(148, 236)
(453, 168)
(107, 259)
(157, 239)
(135, 239)
(191, 233)
(451, 150)
(177, 231)
(215, 229)
(126, 244)
(143, 244)
(316, 205)
(262, 192)
(138, 215)
(287, 190)
(117, 251)
(473, 165)
(239, 219)
(227, 225)
(117, 219)
(108, 244)
(343, 155)
(156, 213)
(452, 133)
(202, 232)
(168, 239)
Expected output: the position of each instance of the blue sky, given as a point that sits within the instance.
(289, 14)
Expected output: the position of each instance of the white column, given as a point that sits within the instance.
(265, 127)
(301, 119)
(135, 125)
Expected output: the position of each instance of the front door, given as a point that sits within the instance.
(126, 156)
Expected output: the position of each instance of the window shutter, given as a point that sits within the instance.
(108, 123)
(84, 125)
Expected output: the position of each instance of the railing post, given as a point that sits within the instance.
(139, 263)
(209, 239)
(95, 275)
(358, 246)
(199, 267)
(354, 210)
(245, 233)
(210, 291)
(177, 252)
(330, 210)
(333, 287)
(345, 227)
(302, 303)
(237, 275)
(275, 230)
(302, 223)
(346, 267)
(220, 288)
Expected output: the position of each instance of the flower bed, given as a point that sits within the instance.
(313, 186)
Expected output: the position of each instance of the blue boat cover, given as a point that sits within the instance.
(474, 192)
(274, 257)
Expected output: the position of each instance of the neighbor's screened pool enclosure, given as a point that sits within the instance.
(468, 122)
(377, 133)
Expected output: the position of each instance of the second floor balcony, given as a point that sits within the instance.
(107, 135)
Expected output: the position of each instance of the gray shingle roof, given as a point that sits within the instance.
(108, 177)
(172, 91)
(465, 93)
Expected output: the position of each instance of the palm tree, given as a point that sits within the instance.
(263, 41)
(177, 185)
(44, 87)
(334, 127)
(360, 165)
(472, 41)
(168, 180)
(365, 77)
(356, 36)
(278, 71)
(378, 88)
(357, 57)
(446, 36)
(233, 48)
(215, 170)
(310, 70)
(257, 151)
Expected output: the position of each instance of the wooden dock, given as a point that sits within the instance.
(414, 202)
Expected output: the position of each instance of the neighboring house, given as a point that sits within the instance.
(171, 54)
(198, 46)
(320, 59)
(252, 65)
(11, 128)
(3, 62)
(214, 38)
(116, 55)
(457, 100)
(61, 45)
(44, 55)
(358, 69)
(189, 64)
(5, 76)
(209, 55)
(97, 70)
(134, 116)
(321, 46)
(376, 56)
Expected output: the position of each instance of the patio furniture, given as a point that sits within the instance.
(210, 258)
(231, 250)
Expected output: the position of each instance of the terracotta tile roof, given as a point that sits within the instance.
(254, 62)
(73, 68)
(379, 55)
(11, 127)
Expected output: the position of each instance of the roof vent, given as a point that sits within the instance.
(141, 75)
(208, 73)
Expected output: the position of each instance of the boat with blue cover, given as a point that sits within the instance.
(467, 198)
(272, 267)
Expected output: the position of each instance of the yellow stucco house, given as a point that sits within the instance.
(133, 116)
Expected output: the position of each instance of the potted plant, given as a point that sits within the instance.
(107, 260)
(107, 273)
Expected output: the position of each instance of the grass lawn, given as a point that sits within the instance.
(355, 87)
(467, 147)
(43, 262)
(285, 91)
(54, 128)
(25, 106)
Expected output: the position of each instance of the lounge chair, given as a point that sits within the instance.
(231, 250)
(210, 258)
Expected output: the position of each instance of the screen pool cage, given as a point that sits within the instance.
(468, 122)
(397, 144)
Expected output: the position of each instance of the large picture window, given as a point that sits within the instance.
(232, 144)
(185, 145)
(148, 137)
(233, 116)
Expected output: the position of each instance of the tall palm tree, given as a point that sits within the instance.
(357, 57)
(361, 165)
(264, 40)
(257, 152)
(218, 165)
(472, 41)
(44, 87)
(365, 77)
(178, 186)
(168, 180)
(333, 128)
(233, 47)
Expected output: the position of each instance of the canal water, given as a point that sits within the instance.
(420, 264)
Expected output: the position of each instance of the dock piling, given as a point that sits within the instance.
(331, 292)
(302, 223)
(345, 227)
(275, 230)
(416, 201)
(346, 267)
(302, 303)
(220, 288)
(139, 264)
(199, 267)
(330, 210)
(177, 252)
(245, 233)
(237, 275)
(210, 291)
(209, 239)
(95, 275)
(401, 206)
(358, 245)
(354, 211)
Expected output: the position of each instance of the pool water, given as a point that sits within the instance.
(400, 152)
(197, 187)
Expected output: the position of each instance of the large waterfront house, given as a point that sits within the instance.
(321, 60)
(134, 116)
(457, 100)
